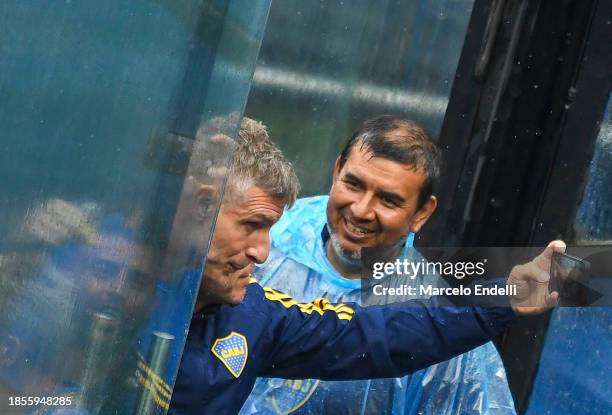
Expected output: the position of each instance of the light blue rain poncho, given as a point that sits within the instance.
(473, 383)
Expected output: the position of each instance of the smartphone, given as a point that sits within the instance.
(569, 276)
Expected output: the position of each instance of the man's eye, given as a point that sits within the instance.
(139, 279)
(252, 225)
(387, 201)
(351, 184)
(104, 269)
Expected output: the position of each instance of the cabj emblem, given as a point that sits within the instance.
(292, 395)
(233, 351)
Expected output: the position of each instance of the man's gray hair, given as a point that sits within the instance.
(258, 162)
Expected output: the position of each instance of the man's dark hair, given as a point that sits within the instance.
(402, 141)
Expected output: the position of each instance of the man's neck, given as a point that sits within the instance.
(199, 306)
(346, 270)
(204, 306)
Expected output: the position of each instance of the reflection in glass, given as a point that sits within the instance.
(117, 123)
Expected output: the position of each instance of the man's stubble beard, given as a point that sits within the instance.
(349, 258)
(364, 258)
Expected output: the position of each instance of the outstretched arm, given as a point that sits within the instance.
(349, 342)
(345, 341)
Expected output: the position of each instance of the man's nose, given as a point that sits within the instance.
(362, 208)
(259, 247)
(116, 286)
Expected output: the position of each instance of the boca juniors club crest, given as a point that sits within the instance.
(292, 394)
(233, 351)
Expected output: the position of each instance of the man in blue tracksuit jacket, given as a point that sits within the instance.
(270, 334)
(241, 330)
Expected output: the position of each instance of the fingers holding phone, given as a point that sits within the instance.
(532, 282)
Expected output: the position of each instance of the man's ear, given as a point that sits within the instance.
(422, 215)
(203, 208)
(337, 168)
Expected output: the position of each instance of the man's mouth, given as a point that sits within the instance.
(241, 270)
(355, 230)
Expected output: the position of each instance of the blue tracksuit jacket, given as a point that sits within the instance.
(270, 334)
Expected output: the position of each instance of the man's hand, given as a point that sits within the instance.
(531, 281)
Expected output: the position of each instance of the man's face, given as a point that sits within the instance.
(117, 277)
(241, 239)
(373, 203)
